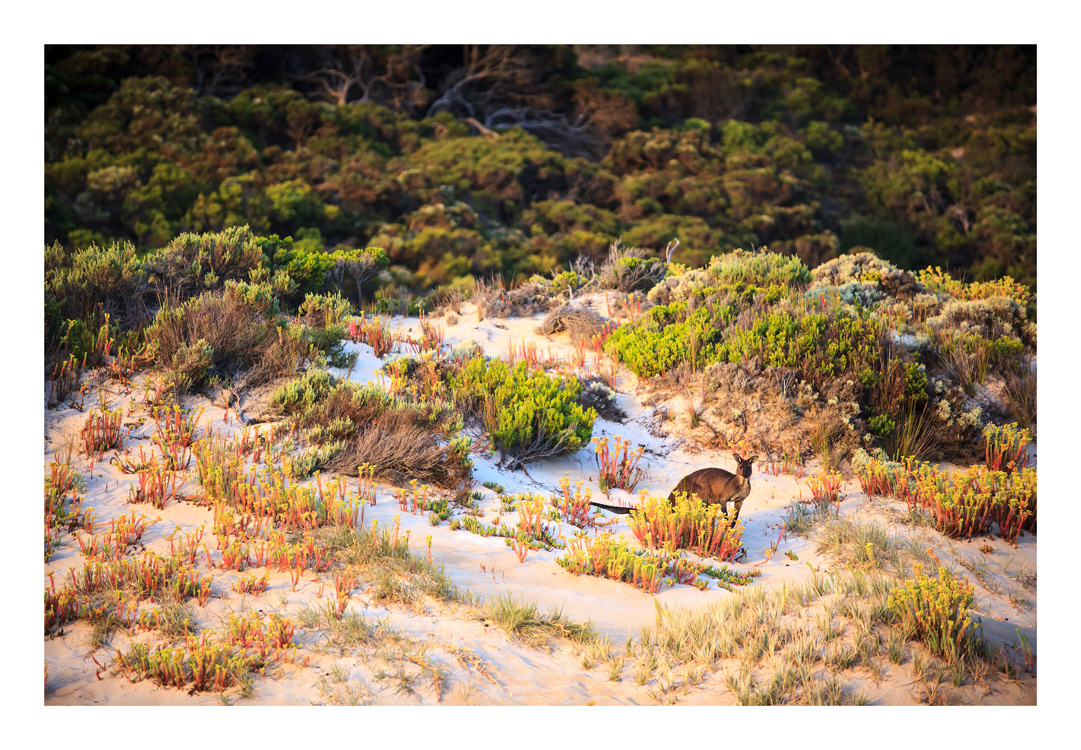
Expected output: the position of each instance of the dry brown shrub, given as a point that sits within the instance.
(1019, 393)
(346, 404)
(279, 357)
(581, 323)
(521, 302)
(628, 269)
(396, 447)
(243, 341)
(778, 413)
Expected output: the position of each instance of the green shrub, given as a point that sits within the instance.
(881, 425)
(305, 463)
(937, 280)
(91, 280)
(204, 261)
(299, 395)
(819, 345)
(529, 414)
(759, 268)
(322, 310)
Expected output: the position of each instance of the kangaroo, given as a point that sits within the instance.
(719, 487)
(714, 486)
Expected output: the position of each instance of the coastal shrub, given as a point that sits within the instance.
(937, 280)
(739, 270)
(93, 280)
(300, 394)
(579, 322)
(195, 262)
(992, 318)
(668, 335)
(818, 345)
(351, 424)
(760, 269)
(324, 310)
(627, 269)
(224, 332)
(306, 463)
(402, 444)
(600, 397)
(968, 358)
(869, 271)
(529, 414)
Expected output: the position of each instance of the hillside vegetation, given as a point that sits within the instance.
(467, 161)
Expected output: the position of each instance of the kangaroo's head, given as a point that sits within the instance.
(743, 465)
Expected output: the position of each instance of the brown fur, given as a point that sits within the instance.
(718, 487)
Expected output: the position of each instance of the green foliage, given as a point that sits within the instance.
(937, 280)
(760, 269)
(720, 147)
(653, 346)
(881, 425)
(524, 409)
(301, 394)
(89, 280)
(306, 463)
(819, 345)
(204, 261)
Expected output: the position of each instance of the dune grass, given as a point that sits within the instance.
(522, 620)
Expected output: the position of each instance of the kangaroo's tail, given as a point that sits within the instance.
(622, 510)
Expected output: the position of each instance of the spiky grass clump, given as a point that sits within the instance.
(522, 620)
(1019, 392)
(381, 557)
(63, 507)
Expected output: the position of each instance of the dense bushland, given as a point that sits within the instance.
(464, 161)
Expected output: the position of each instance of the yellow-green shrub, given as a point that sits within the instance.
(690, 523)
(935, 610)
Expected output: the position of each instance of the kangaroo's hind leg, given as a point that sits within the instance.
(737, 504)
